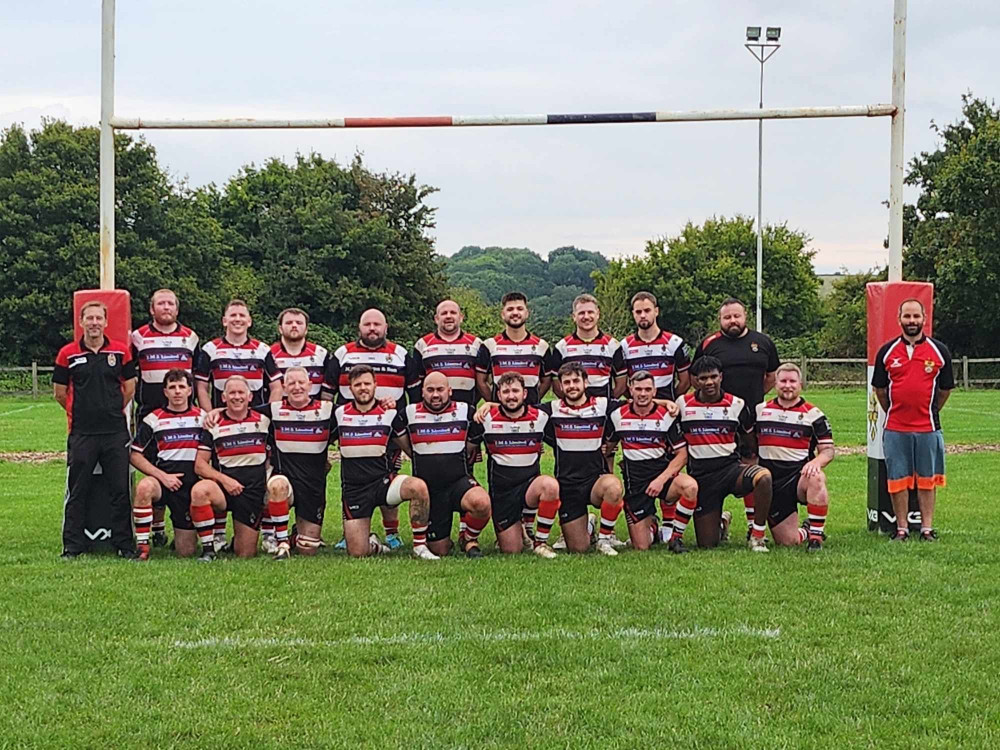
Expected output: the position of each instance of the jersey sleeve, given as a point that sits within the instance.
(553, 361)
(202, 365)
(129, 369)
(399, 423)
(415, 373)
(822, 431)
(675, 437)
(206, 442)
(747, 421)
(60, 375)
(682, 361)
(880, 376)
(772, 356)
(945, 376)
(271, 370)
(143, 438)
(549, 433)
(483, 359)
(618, 364)
(476, 430)
(331, 376)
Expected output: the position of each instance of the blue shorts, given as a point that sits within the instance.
(914, 460)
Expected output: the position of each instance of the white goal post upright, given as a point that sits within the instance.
(896, 110)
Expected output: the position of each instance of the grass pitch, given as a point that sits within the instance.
(864, 645)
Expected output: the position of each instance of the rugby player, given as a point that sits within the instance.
(514, 350)
(235, 353)
(164, 449)
(158, 347)
(448, 350)
(717, 428)
(363, 428)
(232, 464)
(749, 360)
(597, 352)
(795, 443)
(393, 368)
(654, 455)
(653, 350)
(300, 436)
(578, 428)
(513, 432)
(93, 380)
(438, 433)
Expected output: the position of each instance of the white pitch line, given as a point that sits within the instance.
(23, 408)
(500, 636)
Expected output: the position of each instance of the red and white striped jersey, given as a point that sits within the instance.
(392, 365)
(239, 448)
(787, 437)
(313, 358)
(364, 438)
(529, 357)
(438, 440)
(455, 359)
(300, 439)
(712, 430)
(663, 358)
(601, 358)
(914, 376)
(576, 434)
(170, 439)
(514, 445)
(648, 443)
(156, 352)
(219, 359)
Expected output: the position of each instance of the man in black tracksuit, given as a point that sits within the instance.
(94, 379)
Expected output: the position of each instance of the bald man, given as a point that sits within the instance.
(450, 351)
(394, 371)
(439, 433)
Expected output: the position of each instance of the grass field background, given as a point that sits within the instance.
(864, 645)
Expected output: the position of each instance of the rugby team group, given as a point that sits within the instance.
(237, 426)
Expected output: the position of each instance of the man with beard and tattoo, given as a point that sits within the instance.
(749, 361)
(393, 369)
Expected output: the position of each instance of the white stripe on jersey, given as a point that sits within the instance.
(177, 454)
(387, 366)
(170, 343)
(511, 429)
(363, 435)
(314, 364)
(592, 355)
(710, 431)
(566, 422)
(307, 423)
(635, 423)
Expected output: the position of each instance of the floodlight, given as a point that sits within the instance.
(773, 33)
(753, 33)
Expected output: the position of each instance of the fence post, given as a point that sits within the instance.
(965, 372)
(803, 368)
(34, 379)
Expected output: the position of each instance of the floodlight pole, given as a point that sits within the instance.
(896, 152)
(107, 159)
(762, 52)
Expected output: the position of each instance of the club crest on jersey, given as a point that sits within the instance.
(801, 416)
(113, 360)
(468, 348)
(928, 365)
(725, 411)
(753, 346)
(388, 358)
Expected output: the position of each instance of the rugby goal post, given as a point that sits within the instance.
(110, 122)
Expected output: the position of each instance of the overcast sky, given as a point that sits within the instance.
(608, 187)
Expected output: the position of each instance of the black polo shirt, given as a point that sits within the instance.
(94, 382)
(745, 362)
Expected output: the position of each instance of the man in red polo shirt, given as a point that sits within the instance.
(912, 381)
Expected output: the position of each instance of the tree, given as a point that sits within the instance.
(569, 266)
(691, 275)
(954, 230)
(49, 241)
(845, 323)
(480, 319)
(335, 241)
(494, 271)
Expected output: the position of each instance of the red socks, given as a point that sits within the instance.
(547, 510)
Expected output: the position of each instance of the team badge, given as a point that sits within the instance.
(753, 346)
(468, 348)
(113, 360)
(801, 416)
(928, 365)
(725, 411)
(388, 358)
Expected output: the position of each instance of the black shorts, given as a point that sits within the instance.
(446, 500)
(733, 479)
(575, 499)
(248, 506)
(784, 498)
(507, 503)
(179, 503)
(361, 502)
(308, 499)
(639, 505)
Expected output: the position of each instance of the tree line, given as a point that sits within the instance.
(336, 239)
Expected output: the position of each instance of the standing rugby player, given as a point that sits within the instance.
(232, 464)
(795, 444)
(514, 349)
(161, 345)
(449, 350)
(514, 434)
(597, 352)
(235, 353)
(653, 350)
(654, 455)
(363, 429)
(717, 428)
(164, 449)
(438, 433)
(749, 360)
(393, 368)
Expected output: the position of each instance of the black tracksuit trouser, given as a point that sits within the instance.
(83, 453)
